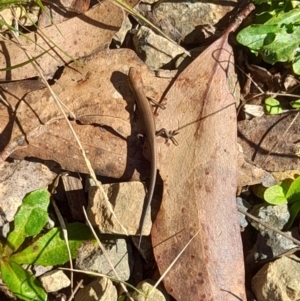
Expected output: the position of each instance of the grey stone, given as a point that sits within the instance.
(194, 20)
(156, 51)
(91, 258)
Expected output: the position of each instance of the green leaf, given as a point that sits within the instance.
(21, 283)
(29, 220)
(294, 210)
(50, 249)
(272, 106)
(122, 298)
(296, 103)
(256, 36)
(283, 18)
(283, 47)
(293, 194)
(296, 66)
(278, 39)
(276, 195)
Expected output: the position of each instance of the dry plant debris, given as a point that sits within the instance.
(198, 178)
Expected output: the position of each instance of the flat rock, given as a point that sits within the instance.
(91, 258)
(101, 289)
(54, 281)
(278, 280)
(146, 286)
(147, 44)
(127, 200)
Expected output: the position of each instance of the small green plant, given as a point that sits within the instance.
(272, 106)
(283, 193)
(46, 249)
(295, 104)
(275, 34)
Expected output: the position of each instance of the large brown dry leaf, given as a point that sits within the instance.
(200, 184)
(99, 95)
(271, 142)
(57, 11)
(73, 39)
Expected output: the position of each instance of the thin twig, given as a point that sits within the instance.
(106, 255)
(294, 240)
(62, 224)
(75, 290)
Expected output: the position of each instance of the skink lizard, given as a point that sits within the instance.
(148, 121)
